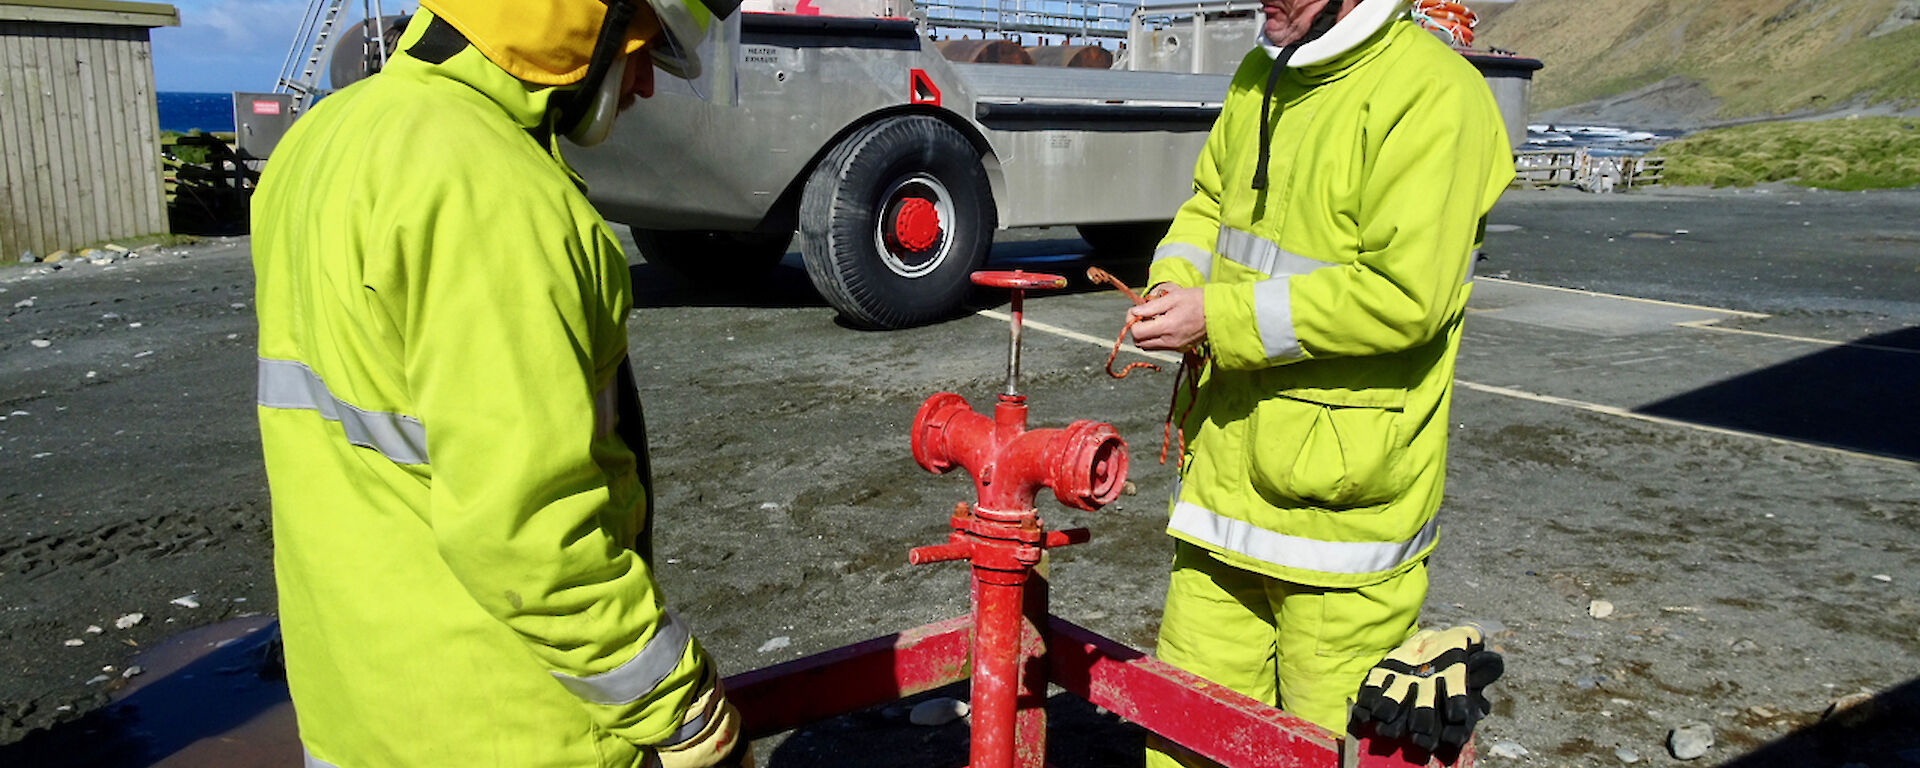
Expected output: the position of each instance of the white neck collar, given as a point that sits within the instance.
(1367, 18)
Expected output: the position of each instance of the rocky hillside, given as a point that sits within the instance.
(1659, 63)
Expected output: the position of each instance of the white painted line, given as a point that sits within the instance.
(1516, 394)
(1597, 294)
(1708, 325)
(1078, 336)
(1638, 360)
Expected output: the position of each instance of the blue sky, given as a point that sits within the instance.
(235, 45)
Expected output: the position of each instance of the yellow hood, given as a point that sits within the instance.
(548, 43)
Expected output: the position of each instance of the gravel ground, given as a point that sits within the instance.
(1672, 514)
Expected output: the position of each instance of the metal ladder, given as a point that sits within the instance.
(300, 75)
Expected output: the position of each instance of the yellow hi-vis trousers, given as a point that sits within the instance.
(1305, 649)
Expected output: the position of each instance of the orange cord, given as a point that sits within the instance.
(1189, 370)
(1115, 352)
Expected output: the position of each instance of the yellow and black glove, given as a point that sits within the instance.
(709, 736)
(1431, 689)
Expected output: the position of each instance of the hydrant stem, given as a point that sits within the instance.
(1013, 346)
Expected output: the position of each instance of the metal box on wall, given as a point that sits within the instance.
(259, 120)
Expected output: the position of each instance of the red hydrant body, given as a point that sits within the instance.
(1085, 463)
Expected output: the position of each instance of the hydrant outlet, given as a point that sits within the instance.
(930, 431)
(1090, 467)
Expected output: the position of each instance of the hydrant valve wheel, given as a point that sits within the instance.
(1018, 279)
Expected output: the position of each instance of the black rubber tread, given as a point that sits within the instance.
(703, 255)
(839, 206)
(1126, 241)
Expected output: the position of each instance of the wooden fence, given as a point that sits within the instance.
(1540, 168)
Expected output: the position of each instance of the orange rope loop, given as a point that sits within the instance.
(1191, 363)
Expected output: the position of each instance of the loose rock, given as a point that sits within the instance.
(55, 257)
(129, 621)
(1627, 756)
(186, 601)
(23, 303)
(1600, 609)
(937, 711)
(1852, 710)
(27, 257)
(776, 644)
(1690, 741)
(40, 343)
(74, 642)
(1510, 750)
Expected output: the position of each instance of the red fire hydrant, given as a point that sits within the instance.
(1084, 463)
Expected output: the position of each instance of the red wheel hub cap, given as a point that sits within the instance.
(916, 224)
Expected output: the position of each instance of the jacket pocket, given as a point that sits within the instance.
(1329, 449)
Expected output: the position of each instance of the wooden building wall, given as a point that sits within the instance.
(79, 136)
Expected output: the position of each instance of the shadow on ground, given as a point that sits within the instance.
(1853, 397)
(1878, 733)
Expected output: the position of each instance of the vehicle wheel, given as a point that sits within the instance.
(703, 255)
(894, 220)
(1132, 240)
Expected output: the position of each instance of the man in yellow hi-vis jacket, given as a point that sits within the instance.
(1323, 265)
(452, 440)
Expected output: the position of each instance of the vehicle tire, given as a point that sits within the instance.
(1132, 240)
(706, 255)
(894, 220)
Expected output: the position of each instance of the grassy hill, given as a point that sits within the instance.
(1701, 62)
(1860, 153)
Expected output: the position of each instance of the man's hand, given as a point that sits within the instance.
(716, 743)
(1173, 319)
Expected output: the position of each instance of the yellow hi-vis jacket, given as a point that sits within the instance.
(1317, 442)
(442, 327)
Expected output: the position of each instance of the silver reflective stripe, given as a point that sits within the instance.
(1258, 253)
(1293, 551)
(641, 674)
(1195, 255)
(314, 762)
(1273, 315)
(1473, 260)
(688, 730)
(290, 384)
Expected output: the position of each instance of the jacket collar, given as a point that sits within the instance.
(1339, 66)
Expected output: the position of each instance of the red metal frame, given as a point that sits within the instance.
(1211, 720)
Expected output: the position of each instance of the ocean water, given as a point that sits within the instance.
(1598, 140)
(186, 112)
